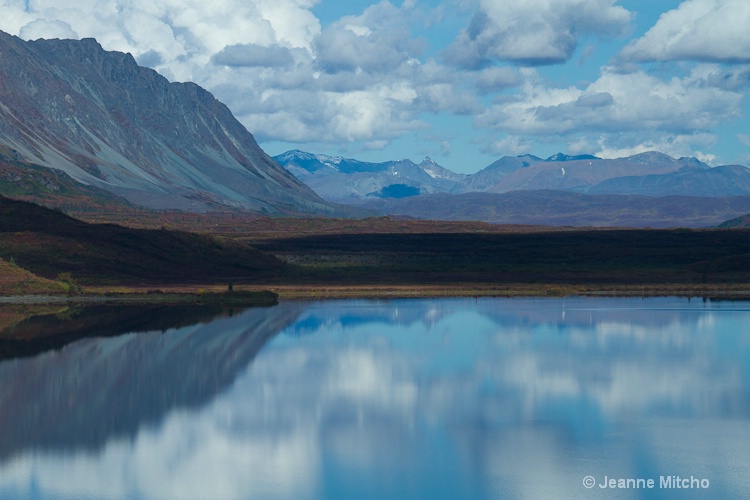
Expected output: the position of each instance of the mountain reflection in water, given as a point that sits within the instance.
(444, 398)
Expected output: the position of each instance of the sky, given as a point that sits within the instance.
(462, 81)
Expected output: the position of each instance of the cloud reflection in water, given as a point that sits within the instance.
(489, 398)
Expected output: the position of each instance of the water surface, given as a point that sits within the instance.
(444, 398)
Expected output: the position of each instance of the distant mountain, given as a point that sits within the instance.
(728, 180)
(740, 222)
(652, 189)
(561, 208)
(564, 157)
(351, 181)
(300, 162)
(581, 175)
(111, 124)
(346, 180)
(493, 174)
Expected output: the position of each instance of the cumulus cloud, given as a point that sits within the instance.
(494, 79)
(617, 115)
(615, 102)
(533, 32)
(377, 41)
(631, 143)
(701, 30)
(253, 55)
(42, 28)
(181, 36)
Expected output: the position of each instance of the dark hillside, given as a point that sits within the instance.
(47, 243)
(573, 257)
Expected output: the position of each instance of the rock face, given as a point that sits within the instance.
(109, 123)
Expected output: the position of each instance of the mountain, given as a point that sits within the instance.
(647, 189)
(581, 175)
(346, 180)
(742, 221)
(110, 124)
(52, 187)
(494, 173)
(351, 181)
(564, 157)
(727, 180)
(300, 161)
(561, 208)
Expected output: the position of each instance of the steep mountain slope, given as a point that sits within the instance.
(108, 123)
(52, 188)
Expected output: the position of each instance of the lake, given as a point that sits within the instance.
(432, 398)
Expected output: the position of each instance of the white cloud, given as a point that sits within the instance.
(637, 111)
(632, 143)
(702, 30)
(378, 41)
(42, 28)
(534, 32)
(511, 145)
(253, 55)
(494, 79)
(184, 35)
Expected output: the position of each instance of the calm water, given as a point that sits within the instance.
(456, 398)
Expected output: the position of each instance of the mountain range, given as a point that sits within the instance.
(648, 174)
(648, 189)
(111, 125)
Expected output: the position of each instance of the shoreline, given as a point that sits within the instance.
(271, 294)
(259, 298)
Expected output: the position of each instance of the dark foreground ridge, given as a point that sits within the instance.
(374, 252)
(48, 243)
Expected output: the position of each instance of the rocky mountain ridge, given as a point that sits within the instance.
(111, 124)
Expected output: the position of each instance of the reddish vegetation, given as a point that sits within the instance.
(251, 226)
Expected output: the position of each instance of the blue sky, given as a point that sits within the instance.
(462, 81)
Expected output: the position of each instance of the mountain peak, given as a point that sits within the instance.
(564, 157)
(529, 158)
(650, 157)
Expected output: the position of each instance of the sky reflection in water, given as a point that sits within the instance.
(454, 398)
